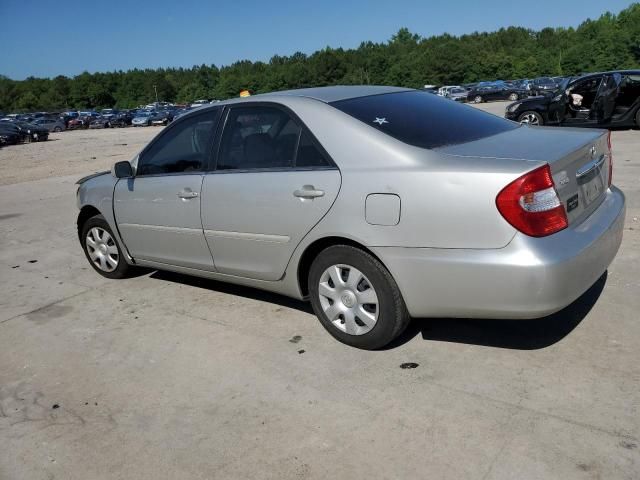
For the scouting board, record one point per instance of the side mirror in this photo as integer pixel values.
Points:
(122, 170)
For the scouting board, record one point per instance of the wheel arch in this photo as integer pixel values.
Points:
(313, 249)
(86, 212)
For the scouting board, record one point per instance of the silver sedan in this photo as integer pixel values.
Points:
(376, 204)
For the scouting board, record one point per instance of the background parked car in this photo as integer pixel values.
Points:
(542, 85)
(9, 134)
(495, 91)
(100, 122)
(199, 103)
(443, 91)
(142, 119)
(121, 119)
(78, 123)
(28, 132)
(83, 120)
(458, 94)
(108, 112)
(51, 124)
(36, 133)
(609, 99)
(180, 111)
(162, 117)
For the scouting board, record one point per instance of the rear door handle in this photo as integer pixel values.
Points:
(308, 191)
(187, 194)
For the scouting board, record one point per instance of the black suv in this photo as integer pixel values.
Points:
(607, 99)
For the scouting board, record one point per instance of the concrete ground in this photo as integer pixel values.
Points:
(169, 377)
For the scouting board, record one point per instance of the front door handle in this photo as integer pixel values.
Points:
(187, 194)
(308, 191)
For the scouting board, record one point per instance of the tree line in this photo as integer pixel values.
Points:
(407, 59)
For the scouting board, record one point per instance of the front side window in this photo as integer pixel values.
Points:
(183, 148)
(424, 120)
(264, 138)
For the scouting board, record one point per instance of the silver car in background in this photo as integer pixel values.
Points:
(458, 94)
(377, 204)
(51, 124)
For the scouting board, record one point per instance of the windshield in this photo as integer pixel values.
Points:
(565, 83)
(424, 120)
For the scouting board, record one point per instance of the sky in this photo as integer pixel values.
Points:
(66, 37)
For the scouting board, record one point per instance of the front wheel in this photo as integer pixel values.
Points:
(531, 118)
(477, 99)
(57, 129)
(513, 97)
(102, 250)
(355, 298)
(638, 118)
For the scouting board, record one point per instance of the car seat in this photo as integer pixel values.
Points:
(259, 152)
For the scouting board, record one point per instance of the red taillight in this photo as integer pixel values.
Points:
(531, 204)
(610, 158)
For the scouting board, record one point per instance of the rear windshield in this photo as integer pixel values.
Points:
(423, 119)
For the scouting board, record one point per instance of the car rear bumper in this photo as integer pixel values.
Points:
(529, 278)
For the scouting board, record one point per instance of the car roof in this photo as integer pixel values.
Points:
(621, 72)
(323, 94)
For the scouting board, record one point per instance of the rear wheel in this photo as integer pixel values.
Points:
(57, 129)
(638, 118)
(477, 99)
(513, 97)
(531, 118)
(355, 298)
(102, 250)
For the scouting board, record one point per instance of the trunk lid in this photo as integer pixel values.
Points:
(579, 161)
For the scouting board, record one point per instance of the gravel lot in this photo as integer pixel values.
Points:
(165, 376)
(75, 152)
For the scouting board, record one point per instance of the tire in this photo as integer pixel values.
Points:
(385, 320)
(638, 118)
(531, 118)
(88, 234)
(477, 99)
(513, 97)
(57, 129)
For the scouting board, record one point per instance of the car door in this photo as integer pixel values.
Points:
(272, 183)
(158, 210)
(605, 102)
(501, 93)
(491, 93)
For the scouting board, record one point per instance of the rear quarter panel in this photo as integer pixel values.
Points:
(445, 205)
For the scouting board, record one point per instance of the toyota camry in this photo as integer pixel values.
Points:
(376, 204)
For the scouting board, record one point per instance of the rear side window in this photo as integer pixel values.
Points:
(258, 137)
(424, 120)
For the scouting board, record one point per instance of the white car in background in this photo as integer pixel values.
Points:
(199, 103)
(444, 91)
